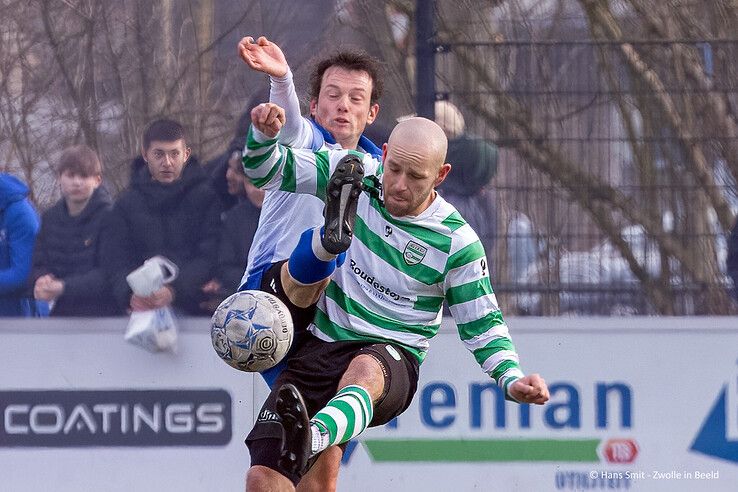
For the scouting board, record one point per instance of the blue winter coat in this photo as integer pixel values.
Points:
(19, 224)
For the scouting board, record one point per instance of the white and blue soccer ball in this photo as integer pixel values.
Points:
(252, 330)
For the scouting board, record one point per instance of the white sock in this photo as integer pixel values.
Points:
(320, 439)
(318, 249)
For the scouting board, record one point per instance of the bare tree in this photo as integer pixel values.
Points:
(662, 96)
(617, 122)
(96, 72)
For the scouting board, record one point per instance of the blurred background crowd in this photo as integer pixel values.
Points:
(594, 143)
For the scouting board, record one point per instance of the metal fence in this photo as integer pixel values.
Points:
(558, 244)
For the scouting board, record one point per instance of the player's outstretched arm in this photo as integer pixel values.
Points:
(267, 57)
(268, 118)
(263, 56)
(530, 389)
(271, 165)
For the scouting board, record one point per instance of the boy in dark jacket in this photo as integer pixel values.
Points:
(18, 228)
(169, 210)
(67, 271)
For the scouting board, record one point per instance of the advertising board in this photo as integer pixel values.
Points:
(636, 404)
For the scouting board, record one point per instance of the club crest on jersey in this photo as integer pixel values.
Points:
(414, 253)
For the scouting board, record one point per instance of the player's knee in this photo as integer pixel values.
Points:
(265, 452)
(260, 478)
(365, 371)
(316, 483)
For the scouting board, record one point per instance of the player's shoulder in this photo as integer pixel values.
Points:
(372, 165)
(453, 224)
(450, 218)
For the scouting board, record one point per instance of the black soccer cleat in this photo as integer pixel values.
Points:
(342, 195)
(296, 444)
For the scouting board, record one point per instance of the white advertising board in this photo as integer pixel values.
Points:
(83, 410)
(636, 404)
(644, 404)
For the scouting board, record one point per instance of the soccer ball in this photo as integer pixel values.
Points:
(251, 330)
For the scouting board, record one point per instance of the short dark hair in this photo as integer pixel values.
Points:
(163, 130)
(349, 60)
(81, 160)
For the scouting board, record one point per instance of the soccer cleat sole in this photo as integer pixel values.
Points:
(342, 195)
(296, 423)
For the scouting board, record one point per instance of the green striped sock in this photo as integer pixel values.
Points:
(343, 418)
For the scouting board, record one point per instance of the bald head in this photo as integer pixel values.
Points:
(422, 138)
(413, 161)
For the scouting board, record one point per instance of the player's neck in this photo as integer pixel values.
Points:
(425, 205)
(349, 143)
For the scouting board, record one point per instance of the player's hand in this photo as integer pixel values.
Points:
(530, 389)
(263, 55)
(268, 118)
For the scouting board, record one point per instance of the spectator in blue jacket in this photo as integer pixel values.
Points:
(67, 270)
(19, 225)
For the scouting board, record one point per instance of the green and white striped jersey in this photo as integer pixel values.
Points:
(398, 271)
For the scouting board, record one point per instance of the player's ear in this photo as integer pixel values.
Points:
(373, 112)
(442, 173)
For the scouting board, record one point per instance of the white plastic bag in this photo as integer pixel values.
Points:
(155, 272)
(155, 330)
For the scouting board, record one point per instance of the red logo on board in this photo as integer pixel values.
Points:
(620, 450)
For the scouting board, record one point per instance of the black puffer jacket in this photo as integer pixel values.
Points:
(178, 220)
(238, 229)
(69, 248)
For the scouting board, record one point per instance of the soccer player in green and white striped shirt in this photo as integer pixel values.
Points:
(410, 251)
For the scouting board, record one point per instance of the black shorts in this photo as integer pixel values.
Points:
(270, 281)
(316, 368)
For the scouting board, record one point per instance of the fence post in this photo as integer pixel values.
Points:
(425, 70)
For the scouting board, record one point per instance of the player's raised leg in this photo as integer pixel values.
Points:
(320, 250)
